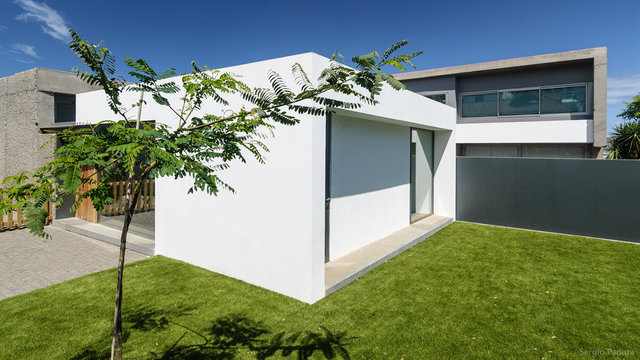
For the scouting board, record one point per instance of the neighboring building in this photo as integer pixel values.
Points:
(30, 102)
(551, 105)
(331, 185)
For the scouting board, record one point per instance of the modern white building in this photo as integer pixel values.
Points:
(331, 187)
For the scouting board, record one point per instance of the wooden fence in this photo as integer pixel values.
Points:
(146, 200)
(17, 220)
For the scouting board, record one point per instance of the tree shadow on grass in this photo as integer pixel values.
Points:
(226, 337)
(143, 318)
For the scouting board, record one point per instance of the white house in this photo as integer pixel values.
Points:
(331, 186)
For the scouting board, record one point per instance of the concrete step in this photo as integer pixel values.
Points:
(345, 269)
(107, 234)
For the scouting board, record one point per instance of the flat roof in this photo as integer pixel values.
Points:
(598, 55)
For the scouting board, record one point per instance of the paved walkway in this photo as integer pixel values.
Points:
(28, 263)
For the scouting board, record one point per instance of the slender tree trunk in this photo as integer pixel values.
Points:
(116, 342)
(130, 205)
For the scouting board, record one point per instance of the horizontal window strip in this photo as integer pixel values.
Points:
(537, 101)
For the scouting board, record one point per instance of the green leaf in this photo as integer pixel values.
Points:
(397, 85)
(36, 218)
(160, 99)
(72, 179)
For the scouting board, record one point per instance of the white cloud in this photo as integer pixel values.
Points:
(2, 27)
(25, 61)
(24, 49)
(621, 89)
(52, 22)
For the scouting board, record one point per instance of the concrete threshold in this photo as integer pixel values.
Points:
(343, 270)
(107, 234)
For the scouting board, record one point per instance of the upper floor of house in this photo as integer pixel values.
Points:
(546, 95)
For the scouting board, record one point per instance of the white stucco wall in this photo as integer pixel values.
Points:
(369, 182)
(267, 231)
(557, 131)
(444, 158)
(271, 231)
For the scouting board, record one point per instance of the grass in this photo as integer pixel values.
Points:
(470, 291)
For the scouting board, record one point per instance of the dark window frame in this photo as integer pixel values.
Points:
(586, 98)
(63, 99)
(519, 146)
(429, 96)
(476, 94)
(539, 113)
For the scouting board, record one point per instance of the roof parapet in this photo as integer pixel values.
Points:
(599, 56)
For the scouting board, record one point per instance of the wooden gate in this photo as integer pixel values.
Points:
(146, 200)
(85, 209)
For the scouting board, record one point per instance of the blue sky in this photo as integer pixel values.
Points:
(222, 33)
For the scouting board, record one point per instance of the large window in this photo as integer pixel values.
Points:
(65, 108)
(492, 150)
(519, 102)
(561, 151)
(563, 100)
(556, 100)
(478, 105)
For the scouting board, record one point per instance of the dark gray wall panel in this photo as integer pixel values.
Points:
(438, 83)
(575, 196)
(444, 84)
(543, 76)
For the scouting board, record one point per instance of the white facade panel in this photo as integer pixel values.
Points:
(265, 232)
(444, 159)
(557, 131)
(369, 182)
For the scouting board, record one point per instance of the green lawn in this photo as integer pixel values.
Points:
(470, 291)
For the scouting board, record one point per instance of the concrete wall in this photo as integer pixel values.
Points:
(600, 102)
(573, 196)
(26, 103)
(21, 136)
(271, 232)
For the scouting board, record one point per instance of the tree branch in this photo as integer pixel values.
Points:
(228, 118)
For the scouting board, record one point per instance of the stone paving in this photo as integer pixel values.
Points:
(28, 262)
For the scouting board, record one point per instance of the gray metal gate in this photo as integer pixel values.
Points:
(591, 197)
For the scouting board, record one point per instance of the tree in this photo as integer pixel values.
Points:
(198, 147)
(625, 139)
